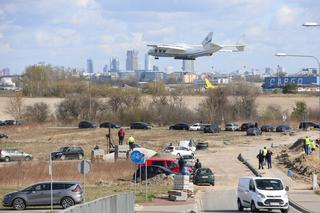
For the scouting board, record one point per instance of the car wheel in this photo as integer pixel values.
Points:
(240, 207)
(80, 156)
(253, 207)
(66, 202)
(27, 158)
(19, 204)
(7, 159)
(63, 157)
(212, 183)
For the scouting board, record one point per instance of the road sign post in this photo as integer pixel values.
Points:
(50, 173)
(84, 167)
(138, 158)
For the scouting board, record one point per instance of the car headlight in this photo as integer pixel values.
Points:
(285, 196)
(261, 195)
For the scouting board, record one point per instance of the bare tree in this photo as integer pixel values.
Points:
(15, 106)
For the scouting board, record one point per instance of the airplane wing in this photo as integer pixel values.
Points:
(167, 47)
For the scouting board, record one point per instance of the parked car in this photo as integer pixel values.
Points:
(2, 135)
(307, 124)
(195, 127)
(231, 127)
(87, 124)
(140, 125)
(189, 144)
(65, 194)
(262, 193)
(179, 126)
(13, 155)
(189, 160)
(2, 123)
(12, 122)
(282, 128)
(246, 126)
(178, 150)
(213, 128)
(204, 126)
(254, 131)
(68, 152)
(106, 125)
(203, 176)
(152, 171)
(267, 128)
(170, 164)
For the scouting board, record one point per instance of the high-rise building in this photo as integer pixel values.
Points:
(114, 65)
(89, 66)
(132, 60)
(4, 71)
(148, 62)
(188, 65)
(105, 68)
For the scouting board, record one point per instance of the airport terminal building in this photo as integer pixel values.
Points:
(305, 83)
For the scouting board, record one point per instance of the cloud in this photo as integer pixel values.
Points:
(288, 15)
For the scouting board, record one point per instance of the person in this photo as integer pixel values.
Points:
(121, 135)
(264, 154)
(312, 145)
(131, 142)
(307, 145)
(260, 159)
(256, 125)
(197, 165)
(268, 157)
(181, 165)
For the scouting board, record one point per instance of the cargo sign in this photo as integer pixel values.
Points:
(278, 82)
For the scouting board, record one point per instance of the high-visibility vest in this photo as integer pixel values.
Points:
(130, 139)
(312, 144)
(307, 142)
(264, 152)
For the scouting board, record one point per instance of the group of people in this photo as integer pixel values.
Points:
(183, 168)
(121, 135)
(309, 145)
(264, 157)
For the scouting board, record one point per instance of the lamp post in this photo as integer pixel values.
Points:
(302, 56)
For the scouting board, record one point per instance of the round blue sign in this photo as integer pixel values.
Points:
(137, 157)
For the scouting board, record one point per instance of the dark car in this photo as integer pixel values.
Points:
(254, 131)
(65, 193)
(203, 176)
(267, 128)
(140, 125)
(12, 122)
(152, 171)
(68, 152)
(282, 128)
(306, 124)
(246, 126)
(87, 124)
(212, 128)
(2, 123)
(179, 126)
(106, 125)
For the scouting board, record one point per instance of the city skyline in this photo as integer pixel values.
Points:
(67, 33)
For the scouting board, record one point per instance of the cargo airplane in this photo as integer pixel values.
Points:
(191, 52)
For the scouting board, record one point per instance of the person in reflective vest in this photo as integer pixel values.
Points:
(131, 142)
(312, 145)
(307, 145)
(264, 154)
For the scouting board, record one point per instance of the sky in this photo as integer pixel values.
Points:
(66, 33)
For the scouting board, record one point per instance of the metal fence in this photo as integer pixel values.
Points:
(121, 203)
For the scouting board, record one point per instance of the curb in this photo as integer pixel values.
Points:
(258, 174)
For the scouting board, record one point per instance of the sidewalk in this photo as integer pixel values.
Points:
(299, 194)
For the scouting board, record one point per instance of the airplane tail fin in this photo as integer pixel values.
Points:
(208, 84)
(241, 44)
(207, 39)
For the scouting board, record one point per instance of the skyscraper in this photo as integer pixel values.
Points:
(114, 65)
(148, 62)
(132, 60)
(188, 65)
(89, 66)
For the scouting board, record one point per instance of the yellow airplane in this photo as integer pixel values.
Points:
(208, 85)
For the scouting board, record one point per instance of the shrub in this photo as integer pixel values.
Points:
(38, 112)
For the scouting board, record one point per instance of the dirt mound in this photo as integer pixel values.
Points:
(161, 180)
(297, 146)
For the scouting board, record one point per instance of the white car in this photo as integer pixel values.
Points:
(195, 127)
(262, 193)
(178, 150)
(189, 144)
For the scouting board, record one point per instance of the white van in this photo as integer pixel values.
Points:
(262, 193)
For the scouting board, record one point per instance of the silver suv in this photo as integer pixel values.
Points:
(65, 194)
(14, 154)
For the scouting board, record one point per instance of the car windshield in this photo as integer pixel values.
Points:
(269, 184)
(204, 172)
(187, 157)
(62, 149)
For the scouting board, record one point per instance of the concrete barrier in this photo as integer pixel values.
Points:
(121, 203)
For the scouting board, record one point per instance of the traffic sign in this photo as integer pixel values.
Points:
(137, 157)
(84, 167)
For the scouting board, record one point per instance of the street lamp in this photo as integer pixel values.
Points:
(303, 56)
